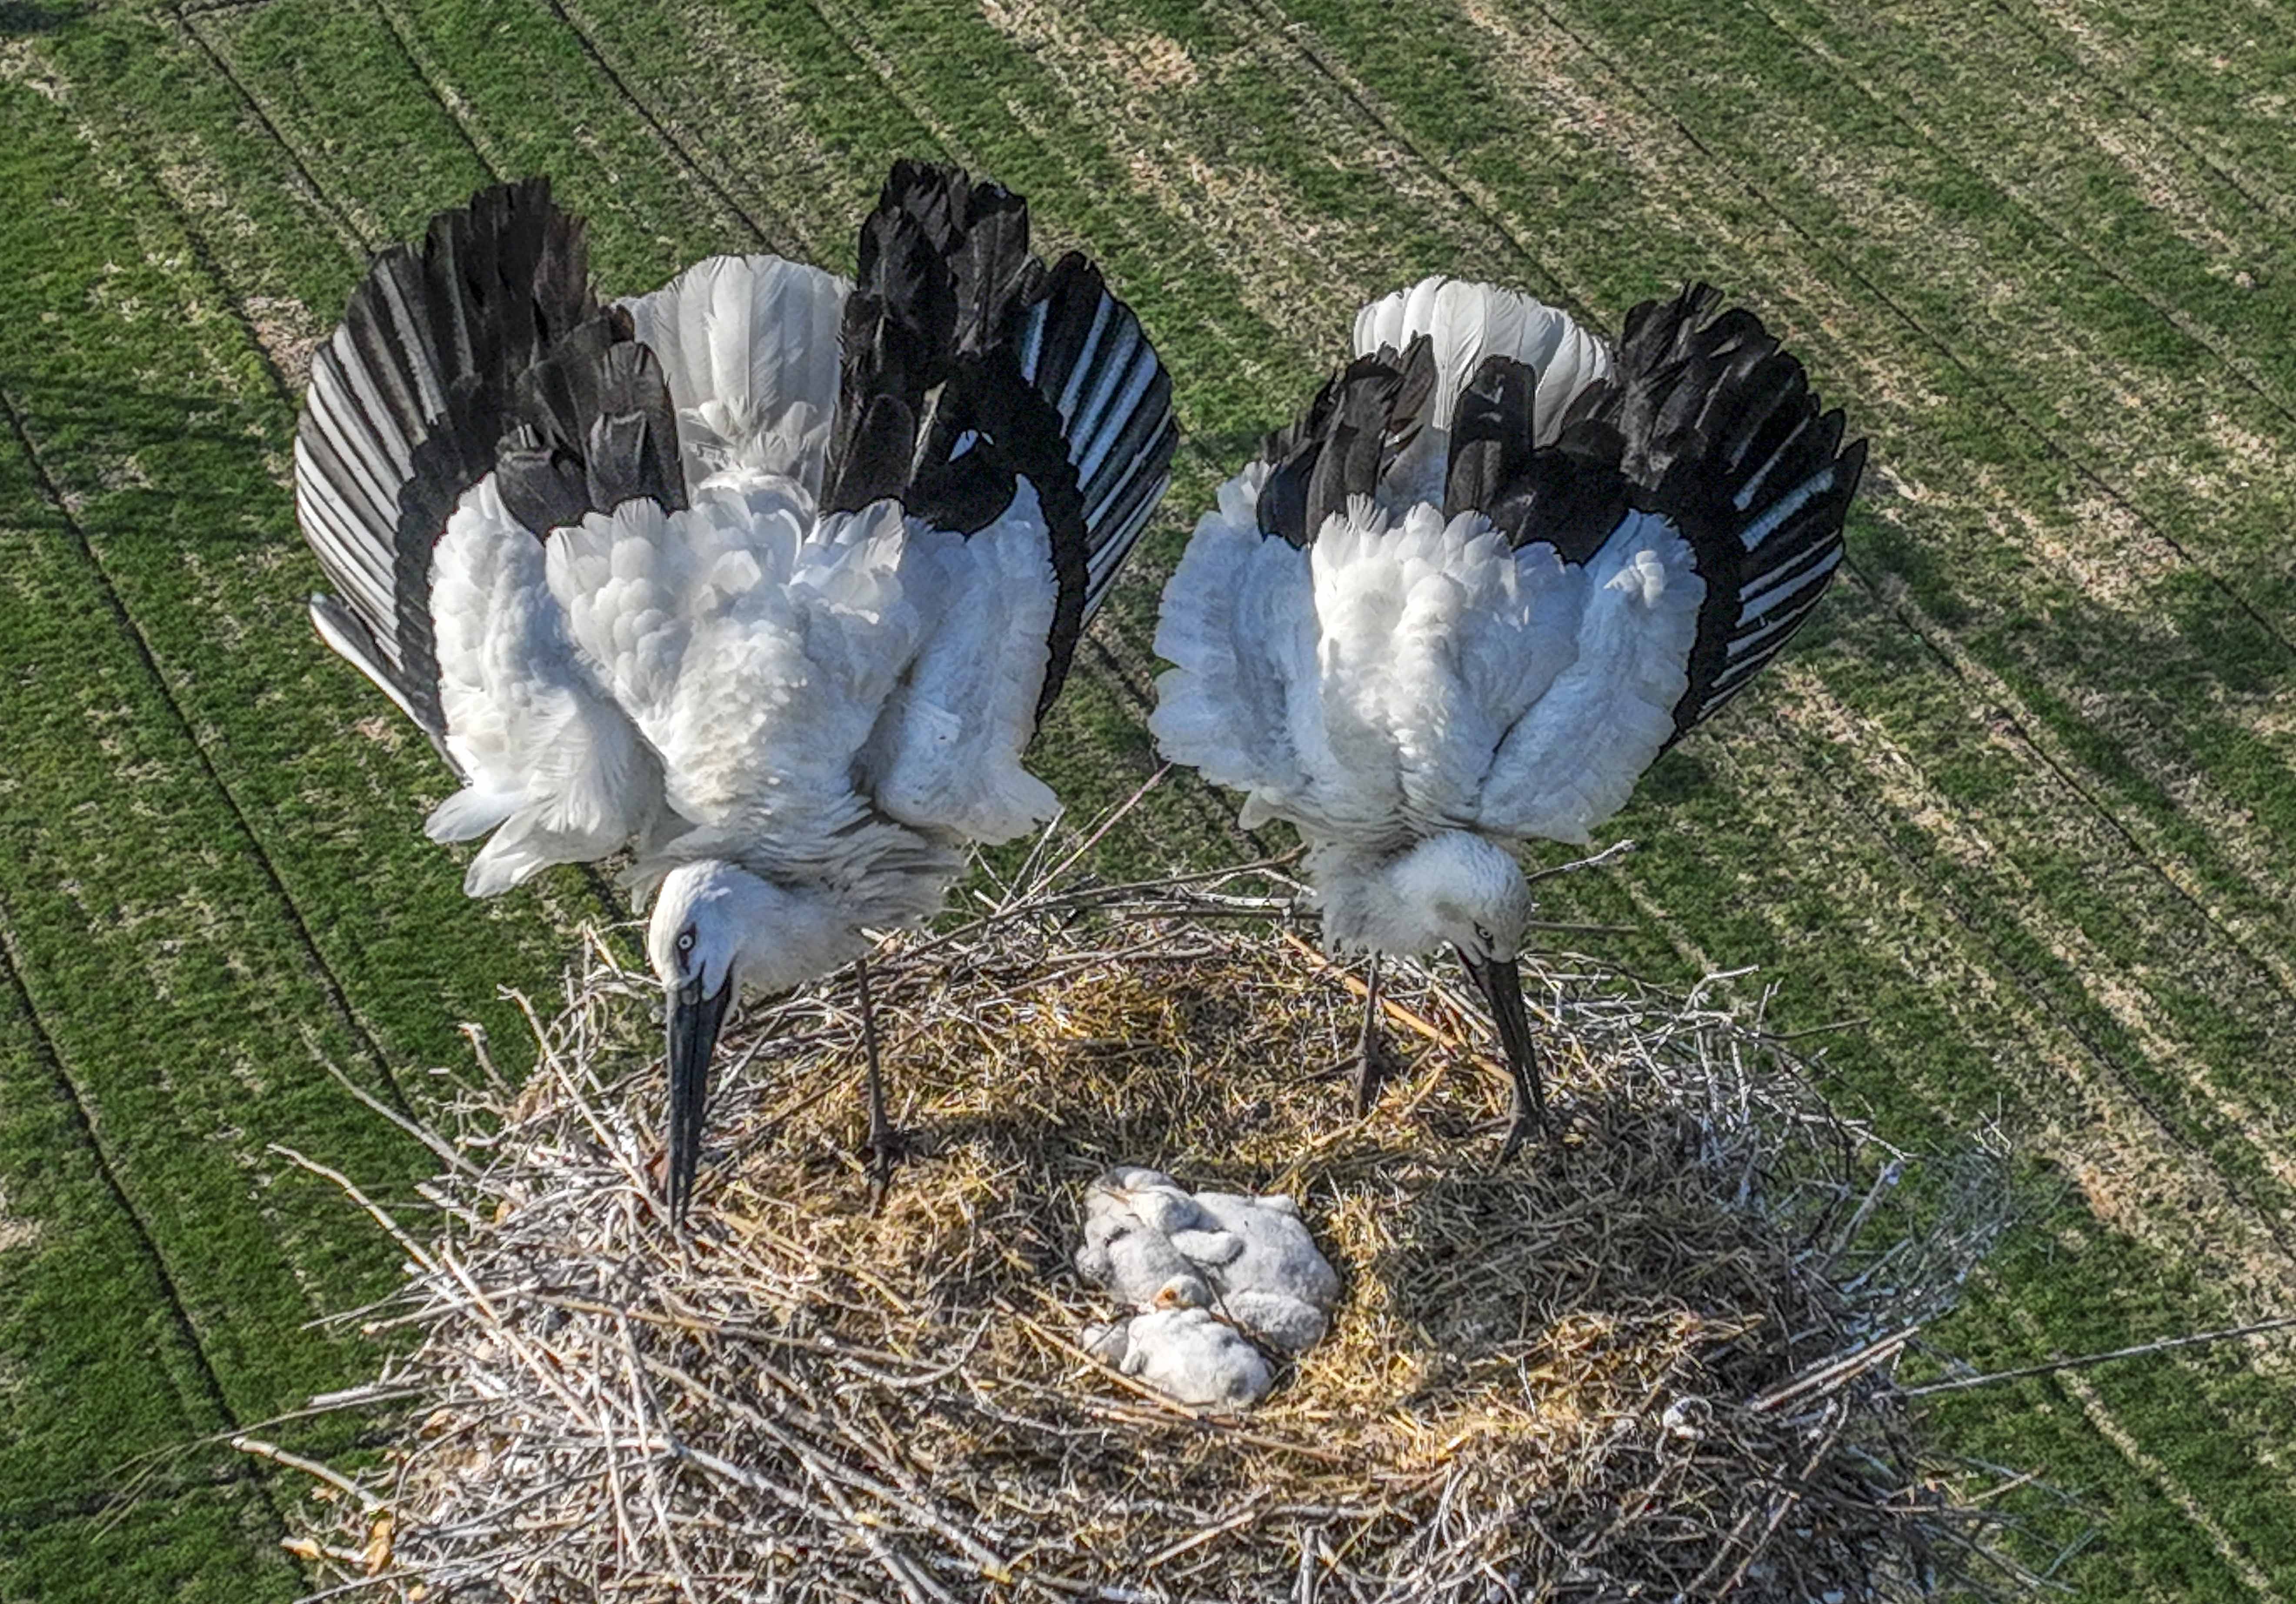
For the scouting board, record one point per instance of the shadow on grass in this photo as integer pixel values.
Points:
(18, 19)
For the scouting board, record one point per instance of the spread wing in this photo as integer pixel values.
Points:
(406, 405)
(970, 368)
(1614, 553)
(473, 399)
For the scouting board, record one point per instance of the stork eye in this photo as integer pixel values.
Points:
(686, 942)
(1483, 936)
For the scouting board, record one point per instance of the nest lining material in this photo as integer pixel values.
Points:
(1651, 1358)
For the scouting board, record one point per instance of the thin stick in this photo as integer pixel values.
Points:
(277, 1455)
(2230, 1333)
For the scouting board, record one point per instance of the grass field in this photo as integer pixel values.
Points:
(2020, 806)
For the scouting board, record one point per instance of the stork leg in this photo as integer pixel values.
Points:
(1372, 1059)
(883, 1148)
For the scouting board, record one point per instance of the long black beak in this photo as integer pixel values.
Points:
(1502, 988)
(693, 1024)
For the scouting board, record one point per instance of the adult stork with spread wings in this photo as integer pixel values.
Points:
(1472, 595)
(767, 576)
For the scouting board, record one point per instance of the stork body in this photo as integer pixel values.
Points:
(1474, 592)
(766, 576)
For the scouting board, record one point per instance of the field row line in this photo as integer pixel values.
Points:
(1983, 935)
(347, 230)
(84, 1128)
(777, 239)
(1964, 670)
(2001, 402)
(2274, 206)
(2173, 316)
(329, 980)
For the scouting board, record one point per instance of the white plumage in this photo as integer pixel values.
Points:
(763, 576)
(1482, 584)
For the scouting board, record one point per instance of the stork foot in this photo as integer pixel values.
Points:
(885, 1151)
(1529, 1119)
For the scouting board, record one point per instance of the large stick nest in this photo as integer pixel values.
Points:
(1651, 1359)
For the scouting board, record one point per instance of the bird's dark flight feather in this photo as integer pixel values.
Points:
(1723, 435)
(1359, 424)
(408, 401)
(967, 365)
(1703, 420)
(594, 427)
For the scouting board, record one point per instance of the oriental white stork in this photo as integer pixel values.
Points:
(1474, 593)
(767, 576)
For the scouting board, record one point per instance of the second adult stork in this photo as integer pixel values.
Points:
(767, 575)
(1474, 592)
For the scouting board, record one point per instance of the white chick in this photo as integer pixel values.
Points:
(1274, 1283)
(1186, 1354)
(1135, 1259)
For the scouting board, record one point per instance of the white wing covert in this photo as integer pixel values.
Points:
(550, 764)
(754, 646)
(1571, 758)
(1238, 625)
(948, 751)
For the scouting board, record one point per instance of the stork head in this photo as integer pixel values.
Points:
(713, 931)
(1469, 892)
(1460, 890)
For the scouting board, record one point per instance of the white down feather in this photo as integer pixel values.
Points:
(1399, 677)
(753, 647)
(552, 765)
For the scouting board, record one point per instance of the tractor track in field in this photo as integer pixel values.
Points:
(2151, 114)
(2045, 1001)
(458, 114)
(329, 983)
(211, 1394)
(1927, 132)
(778, 239)
(357, 239)
(1885, 806)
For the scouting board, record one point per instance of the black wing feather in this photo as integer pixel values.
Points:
(1725, 437)
(1705, 421)
(425, 388)
(1364, 418)
(594, 427)
(968, 365)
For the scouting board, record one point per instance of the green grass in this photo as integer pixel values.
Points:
(2020, 801)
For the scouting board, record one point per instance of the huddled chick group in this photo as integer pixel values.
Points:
(1210, 1274)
